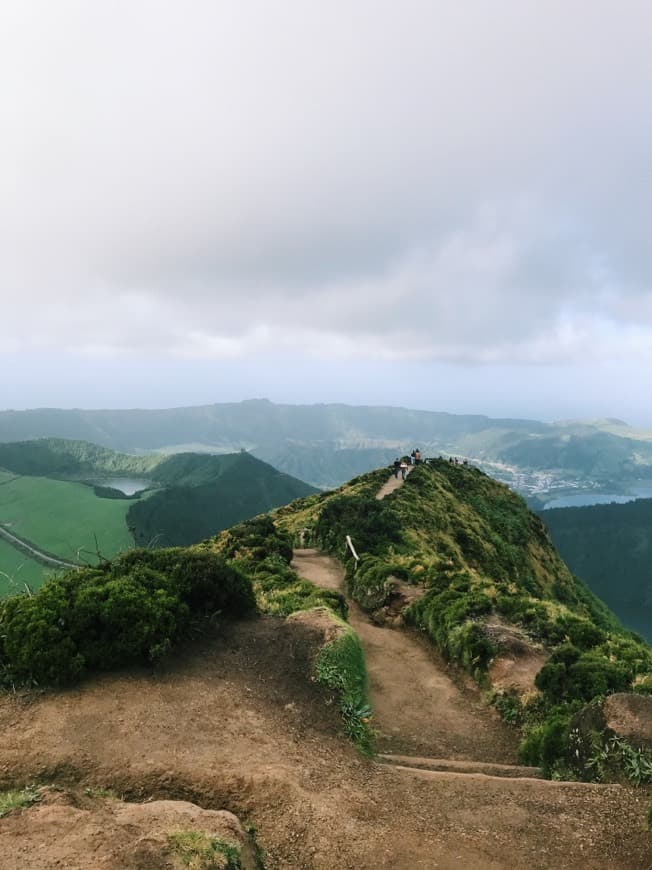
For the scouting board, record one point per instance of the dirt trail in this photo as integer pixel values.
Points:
(418, 707)
(234, 723)
(391, 484)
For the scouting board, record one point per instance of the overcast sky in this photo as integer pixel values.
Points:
(445, 205)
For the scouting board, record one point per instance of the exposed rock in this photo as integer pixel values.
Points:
(518, 660)
(630, 716)
(83, 831)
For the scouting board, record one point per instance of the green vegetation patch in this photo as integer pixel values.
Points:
(64, 519)
(262, 553)
(17, 569)
(18, 799)
(340, 665)
(128, 611)
(200, 851)
(478, 554)
(571, 742)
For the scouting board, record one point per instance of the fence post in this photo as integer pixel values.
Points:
(352, 548)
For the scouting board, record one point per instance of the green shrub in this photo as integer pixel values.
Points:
(615, 753)
(571, 674)
(368, 583)
(124, 612)
(372, 524)
(203, 580)
(546, 744)
(449, 617)
(260, 553)
(340, 665)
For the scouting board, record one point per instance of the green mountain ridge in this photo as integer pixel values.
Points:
(327, 444)
(487, 586)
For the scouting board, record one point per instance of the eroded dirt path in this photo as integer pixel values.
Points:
(235, 723)
(419, 708)
(391, 484)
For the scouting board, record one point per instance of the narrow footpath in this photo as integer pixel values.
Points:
(419, 708)
(422, 708)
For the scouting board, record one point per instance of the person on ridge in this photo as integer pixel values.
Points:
(404, 468)
(397, 465)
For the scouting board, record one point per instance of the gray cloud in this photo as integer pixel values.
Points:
(453, 181)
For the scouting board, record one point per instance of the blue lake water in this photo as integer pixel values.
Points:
(584, 499)
(127, 485)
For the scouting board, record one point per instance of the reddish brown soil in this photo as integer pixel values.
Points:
(420, 706)
(236, 724)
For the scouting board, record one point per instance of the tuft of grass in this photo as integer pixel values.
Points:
(18, 799)
(340, 665)
(200, 851)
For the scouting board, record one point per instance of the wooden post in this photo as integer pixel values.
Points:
(352, 548)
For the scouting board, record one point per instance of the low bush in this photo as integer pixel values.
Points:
(448, 617)
(546, 744)
(129, 611)
(571, 674)
(372, 524)
(340, 665)
(259, 552)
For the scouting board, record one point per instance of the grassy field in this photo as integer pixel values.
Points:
(20, 569)
(62, 517)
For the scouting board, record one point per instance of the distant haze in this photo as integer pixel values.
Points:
(440, 205)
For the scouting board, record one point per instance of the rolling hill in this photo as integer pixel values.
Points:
(57, 502)
(327, 444)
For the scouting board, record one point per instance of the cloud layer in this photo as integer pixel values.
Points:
(463, 182)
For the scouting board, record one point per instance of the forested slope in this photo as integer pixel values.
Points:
(610, 547)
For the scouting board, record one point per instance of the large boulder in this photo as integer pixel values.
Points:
(630, 716)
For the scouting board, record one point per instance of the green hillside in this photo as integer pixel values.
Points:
(206, 494)
(52, 498)
(485, 586)
(16, 569)
(487, 580)
(56, 457)
(64, 518)
(610, 547)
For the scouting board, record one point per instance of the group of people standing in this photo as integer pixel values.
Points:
(402, 466)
